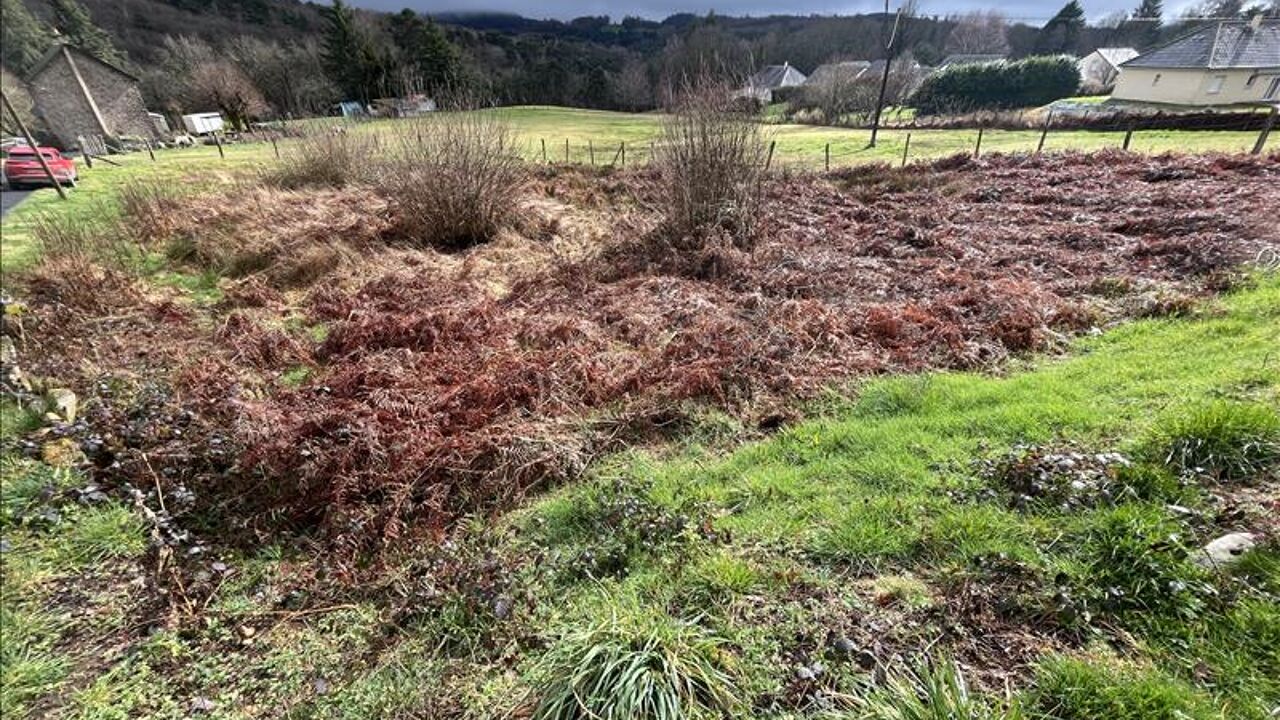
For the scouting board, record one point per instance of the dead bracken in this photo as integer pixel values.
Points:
(430, 385)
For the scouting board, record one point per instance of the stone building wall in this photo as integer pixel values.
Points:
(68, 114)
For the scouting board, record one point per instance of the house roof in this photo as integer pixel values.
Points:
(832, 72)
(1224, 44)
(776, 76)
(55, 51)
(1116, 55)
(968, 60)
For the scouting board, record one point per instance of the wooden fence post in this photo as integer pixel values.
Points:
(566, 151)
(1045, 132)
(150, 152)
(977, 148)
(218, 142)
(31, 143)
(826, 157)
(1128, 136)
(622, 148)
(1266, 130)
(769, 158)
(275, 147)
(84, 152)
(906, 148)
(544, 151)
(591, 151)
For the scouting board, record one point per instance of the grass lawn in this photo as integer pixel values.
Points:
(799, 147)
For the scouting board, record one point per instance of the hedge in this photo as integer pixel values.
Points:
(1030, 82)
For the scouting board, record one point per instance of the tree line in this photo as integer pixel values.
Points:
(257, 59)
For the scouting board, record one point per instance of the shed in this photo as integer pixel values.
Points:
(202, 123)
(78, 95)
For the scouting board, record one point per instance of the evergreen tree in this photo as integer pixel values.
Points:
(22, 38)
(1146, 31)
(349, 56)
(1062, 33)
(433, 58)
(1150, 10)
(72, 20)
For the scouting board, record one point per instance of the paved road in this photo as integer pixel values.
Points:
(10, 198)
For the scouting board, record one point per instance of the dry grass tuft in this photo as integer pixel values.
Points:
(710, 162)
(454, 180)
(324, 159)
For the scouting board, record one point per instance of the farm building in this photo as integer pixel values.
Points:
(1100, 68)
(79, 95)
(1222, 63)
(772, 77)
(954, 60)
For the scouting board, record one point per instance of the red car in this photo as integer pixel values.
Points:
(22, 167)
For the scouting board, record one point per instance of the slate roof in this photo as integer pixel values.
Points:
(1225, 44)
(55, 51)
(776, 76)
(968, 60)
(832, 72)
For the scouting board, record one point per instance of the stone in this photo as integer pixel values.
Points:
(63, 402)
(1225, 550)
(844, 645)
(202, 705)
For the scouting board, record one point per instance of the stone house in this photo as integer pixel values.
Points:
(78, 95)
(772, 77)
(1223, 63)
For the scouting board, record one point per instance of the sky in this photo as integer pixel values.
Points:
(1029, 11)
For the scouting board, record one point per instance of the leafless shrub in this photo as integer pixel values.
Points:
(323, 159)
(453, 180)
(81, 264)
(710, 163)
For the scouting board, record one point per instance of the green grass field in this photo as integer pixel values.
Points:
(799, 147)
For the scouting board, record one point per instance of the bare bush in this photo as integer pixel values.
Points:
(323, 159)
(711, 165)
(453, 180)
(147, 209)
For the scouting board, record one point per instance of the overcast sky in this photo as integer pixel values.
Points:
(1029, 11)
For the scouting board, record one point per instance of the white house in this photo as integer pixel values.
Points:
(1221, 63)
(1100, 68)
(761, 85)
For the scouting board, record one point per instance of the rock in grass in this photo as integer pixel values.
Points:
(1225, 550)
(63, 452)
(202, 705)
(63, 403)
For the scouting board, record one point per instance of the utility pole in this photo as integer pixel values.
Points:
(890, 49)
(31, 142)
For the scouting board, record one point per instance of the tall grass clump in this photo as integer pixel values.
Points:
(332, 158)
(1071, 689)
(454, 180)
(1225, 441)
(641, 665)
(934, 690)
(710, 160)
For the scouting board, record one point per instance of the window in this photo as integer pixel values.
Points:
(1156, 80)
(1273, 90)
(1215, 84)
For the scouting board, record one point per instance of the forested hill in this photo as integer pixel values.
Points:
(270, 58)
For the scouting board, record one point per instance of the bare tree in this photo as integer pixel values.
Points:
(978, 33)
(221, 84)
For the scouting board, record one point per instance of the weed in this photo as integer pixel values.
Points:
(933, 690)
(1073, 689)
(636, 665)
(324, 159)
(1224, 441)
